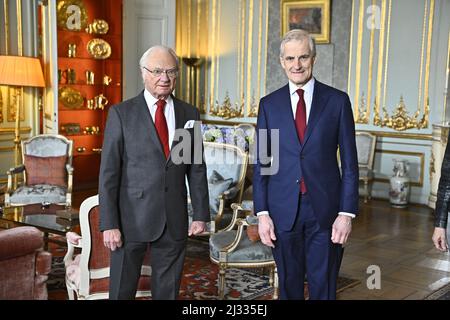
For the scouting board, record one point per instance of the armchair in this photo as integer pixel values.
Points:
(24, 265)
(365, 146)
(87, 273)
(231, 248)
(47, 172)
(226, 168)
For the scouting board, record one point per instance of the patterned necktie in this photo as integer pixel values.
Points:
(161, 126)
(300, 125)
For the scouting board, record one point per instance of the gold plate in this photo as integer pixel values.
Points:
(71, 98)
(72, 15)
(99, 26)
(99, 48)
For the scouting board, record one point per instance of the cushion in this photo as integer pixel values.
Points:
(216, 186)
(46, 170)
(246, 251)
(39, 193)
(252, 233)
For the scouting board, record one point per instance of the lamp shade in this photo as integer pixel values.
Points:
(21, 71)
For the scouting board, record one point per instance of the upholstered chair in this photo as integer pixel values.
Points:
(46, 170)
(24, 265)
(365, 145)
(87, 273)
(226, 167)
(239, 246)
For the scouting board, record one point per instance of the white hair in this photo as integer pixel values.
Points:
(158, 47)
(298, 35)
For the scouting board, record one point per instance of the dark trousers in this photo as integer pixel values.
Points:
(307, 249)
(166, 259)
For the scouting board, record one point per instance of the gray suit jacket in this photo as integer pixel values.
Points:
(140, 190)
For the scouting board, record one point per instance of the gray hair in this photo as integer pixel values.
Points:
(158, 47)
(298, 35)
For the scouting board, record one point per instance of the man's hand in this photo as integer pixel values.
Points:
(342, 227)
(440, 239)
(266, 230)
(197, 227)
(112, 239)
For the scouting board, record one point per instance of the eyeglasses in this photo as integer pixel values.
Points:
(171, 73)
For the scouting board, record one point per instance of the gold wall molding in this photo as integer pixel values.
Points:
(363, 112)
(205, 86)
(419, 155)
(227, 109)
(409, 136)
(1, 106)
(447, 75)
(401, 121)
(11, 130)
(362, 47)
(432, 166)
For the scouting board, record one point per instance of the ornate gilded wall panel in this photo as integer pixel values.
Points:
(390, 58)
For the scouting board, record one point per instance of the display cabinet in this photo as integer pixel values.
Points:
(89, 79)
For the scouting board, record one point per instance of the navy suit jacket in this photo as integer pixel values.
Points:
(330, 125)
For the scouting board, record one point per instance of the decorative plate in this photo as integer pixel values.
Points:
(99, 26)
(71, 15)
(99, 48)
(71, 98)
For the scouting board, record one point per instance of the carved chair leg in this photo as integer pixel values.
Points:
(70, 293)
(275, 283)
(370, 190)
(221, 284)
(366, 190)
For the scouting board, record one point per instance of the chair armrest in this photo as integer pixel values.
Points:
(238, 212)
(241, 223)
(71, 245)
(16, 170)
(69, 169)
(20, 241)
(10, 173)
(43, 262)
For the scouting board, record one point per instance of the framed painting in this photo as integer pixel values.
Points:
(310, 15)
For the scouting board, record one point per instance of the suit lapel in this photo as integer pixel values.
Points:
(287, 118)
(179, 120)
(319, 102)
(145, 117)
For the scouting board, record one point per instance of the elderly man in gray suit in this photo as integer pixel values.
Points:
(142, 189)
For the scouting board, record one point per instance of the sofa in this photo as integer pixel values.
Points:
(24, 265)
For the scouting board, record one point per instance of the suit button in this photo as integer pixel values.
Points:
(302, 157)
(297, 181)
(166, 189)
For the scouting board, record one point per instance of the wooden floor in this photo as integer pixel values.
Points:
(399, 242)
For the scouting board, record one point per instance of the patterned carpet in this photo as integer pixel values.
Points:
(440, 294)
(199, 280)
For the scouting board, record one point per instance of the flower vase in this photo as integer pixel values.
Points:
(400, 189)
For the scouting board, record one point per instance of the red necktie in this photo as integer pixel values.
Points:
(300, 125)
(161, 126)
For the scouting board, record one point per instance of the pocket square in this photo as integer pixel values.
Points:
(189, 124)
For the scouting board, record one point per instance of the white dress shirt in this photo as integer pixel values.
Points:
(169, 112)
(308, 89)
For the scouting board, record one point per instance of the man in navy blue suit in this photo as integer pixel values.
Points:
(305, 205)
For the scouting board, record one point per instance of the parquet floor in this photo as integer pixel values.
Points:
(398, 241)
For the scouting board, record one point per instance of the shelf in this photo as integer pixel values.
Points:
(80, 135)
(78, 110)
(83, 84)
(90, 59)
